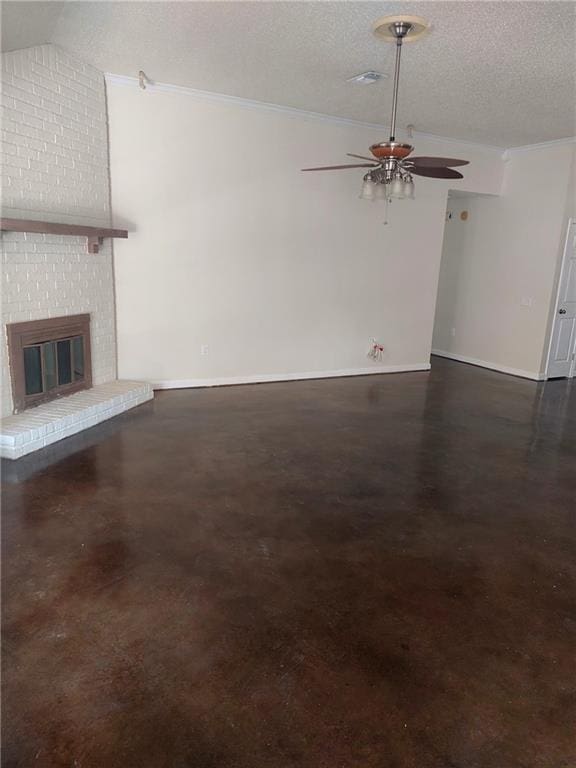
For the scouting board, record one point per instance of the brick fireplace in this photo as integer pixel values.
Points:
(55, 169)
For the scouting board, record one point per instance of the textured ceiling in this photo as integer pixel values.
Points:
(500, 73)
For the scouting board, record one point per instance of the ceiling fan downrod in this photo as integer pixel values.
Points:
(399, 29)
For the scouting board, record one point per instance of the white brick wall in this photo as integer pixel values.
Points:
(54, 154)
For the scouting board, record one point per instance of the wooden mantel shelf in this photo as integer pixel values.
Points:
(93, 235)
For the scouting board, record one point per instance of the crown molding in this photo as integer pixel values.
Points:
(183, 90)
(540, 145)
(133, 82)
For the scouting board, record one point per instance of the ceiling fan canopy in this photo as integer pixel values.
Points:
(391, 167)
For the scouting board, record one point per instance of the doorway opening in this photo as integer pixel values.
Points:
(458, 328)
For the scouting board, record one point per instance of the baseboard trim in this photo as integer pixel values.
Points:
(264, 378)
(492, 366)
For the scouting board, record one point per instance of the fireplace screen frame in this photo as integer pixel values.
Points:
(36, 332)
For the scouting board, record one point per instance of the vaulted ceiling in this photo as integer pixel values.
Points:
(500, 73)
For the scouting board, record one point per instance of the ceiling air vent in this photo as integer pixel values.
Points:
(367, 78)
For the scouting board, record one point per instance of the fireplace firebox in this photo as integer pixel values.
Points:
(49, 359)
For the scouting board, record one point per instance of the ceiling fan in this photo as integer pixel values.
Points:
(391, 168)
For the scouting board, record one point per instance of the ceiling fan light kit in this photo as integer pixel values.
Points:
(391, 168)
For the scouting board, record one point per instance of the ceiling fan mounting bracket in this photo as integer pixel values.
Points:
(405, 28)
(400, 29)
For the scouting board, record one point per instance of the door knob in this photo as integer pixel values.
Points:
(561, 311)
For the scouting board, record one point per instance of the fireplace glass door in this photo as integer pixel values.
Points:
(49, 359)
(53, 364)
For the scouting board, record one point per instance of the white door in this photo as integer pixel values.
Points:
(563, 341)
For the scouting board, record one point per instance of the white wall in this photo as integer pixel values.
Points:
(54, 156)
(277, 272)
(504, 256)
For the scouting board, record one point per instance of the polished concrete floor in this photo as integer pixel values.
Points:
(373, 572)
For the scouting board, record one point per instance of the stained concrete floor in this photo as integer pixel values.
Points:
(364, 572)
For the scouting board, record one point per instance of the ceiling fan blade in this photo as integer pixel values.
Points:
(361, 157)
(436, 173)
(438, 162)
(340, 167)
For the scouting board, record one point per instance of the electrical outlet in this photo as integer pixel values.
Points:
(526, 301)
(453, 332)
(204, 349)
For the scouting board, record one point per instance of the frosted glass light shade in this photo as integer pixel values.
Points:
(380, 193)
(368, 192)
(409, 190)
(397, 189)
